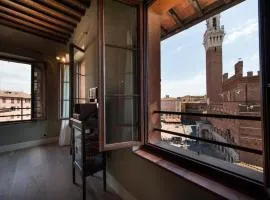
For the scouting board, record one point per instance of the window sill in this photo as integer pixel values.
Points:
(195, 178)
(20, 122)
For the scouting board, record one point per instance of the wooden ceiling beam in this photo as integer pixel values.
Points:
(197, 7)
(164, 31)
(40, 8)
(31, 12)
(33, 26)
(33, 20)
(175, 17)
(61, 7)
(76, 4)
(31, 31)
(131, 2)
(213, 9)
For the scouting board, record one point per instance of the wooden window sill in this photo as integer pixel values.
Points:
(207, 184)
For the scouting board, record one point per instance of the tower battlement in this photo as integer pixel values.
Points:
(214, 35)
(238, 74)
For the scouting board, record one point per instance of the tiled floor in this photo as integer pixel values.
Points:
(44, 173)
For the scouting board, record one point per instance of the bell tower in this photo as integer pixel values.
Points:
(213, 39)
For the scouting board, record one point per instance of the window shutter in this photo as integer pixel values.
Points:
(38, 91)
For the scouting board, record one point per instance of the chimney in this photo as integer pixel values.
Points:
(250, 73)
(239, 68)
(225, 76)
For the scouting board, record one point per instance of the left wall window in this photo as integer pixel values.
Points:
(15, 91)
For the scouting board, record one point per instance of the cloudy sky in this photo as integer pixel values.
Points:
(183, 55)
(15, 76)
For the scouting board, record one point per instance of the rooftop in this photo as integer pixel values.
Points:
(14, 94)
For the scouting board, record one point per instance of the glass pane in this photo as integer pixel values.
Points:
(121, 107)
(121, 92)
(212, 68)
(65, 91)
(213, 153)
(120, 69)
(65, 109)
(121, 119)
(15, 91)
(120, 24)
(66, 73)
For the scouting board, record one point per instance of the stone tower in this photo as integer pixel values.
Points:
(213, 38)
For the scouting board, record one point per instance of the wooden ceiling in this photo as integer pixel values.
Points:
(50, 19)
(177, 15)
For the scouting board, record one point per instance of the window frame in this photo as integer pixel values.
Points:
(5, 99)
(74, 78)
(60, 93)
(233, 180)
(103, 146)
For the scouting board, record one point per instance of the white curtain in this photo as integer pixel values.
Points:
(65, 133)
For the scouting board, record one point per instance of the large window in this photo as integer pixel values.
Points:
(21, 91)
(210, 94)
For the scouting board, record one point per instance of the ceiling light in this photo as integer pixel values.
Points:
(63, 59)
(57, 58)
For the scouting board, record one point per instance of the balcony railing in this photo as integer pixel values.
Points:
(249, 108)
(221, 116)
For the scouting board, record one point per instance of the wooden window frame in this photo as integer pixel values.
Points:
(73, 78)
(254, 189)
(101, 74)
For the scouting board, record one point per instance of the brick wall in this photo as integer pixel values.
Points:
(214, 73)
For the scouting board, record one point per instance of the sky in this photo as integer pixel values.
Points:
(183, 62)
(15, 76)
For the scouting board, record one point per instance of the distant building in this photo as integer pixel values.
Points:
(236, 95)
(181, 104)
(14, 106)
(170, 104)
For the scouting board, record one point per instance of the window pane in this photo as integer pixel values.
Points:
(120, 71)
(66, 73)
(223, 157)
(15, 91)
(64, 92)
(121, 87)
(65, 111)
(121, 108)
(120, 24)
(213, 68)
(121, 119)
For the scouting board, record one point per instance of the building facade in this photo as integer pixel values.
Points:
(236, 95)
(14, 106)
